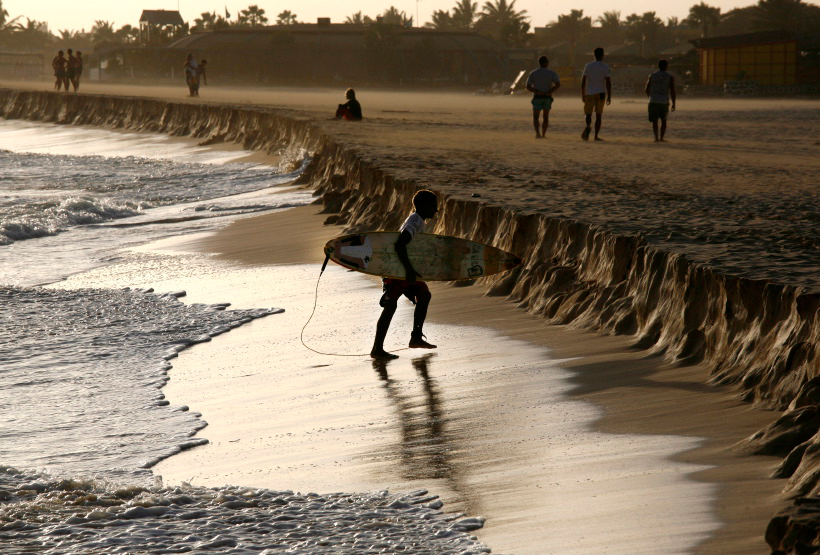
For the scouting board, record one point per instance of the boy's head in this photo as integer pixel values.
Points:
(662, 65)
(350, 94)
(426, 203)
(543, 61)
(598, 53)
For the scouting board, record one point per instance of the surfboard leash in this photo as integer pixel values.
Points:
(315, 302)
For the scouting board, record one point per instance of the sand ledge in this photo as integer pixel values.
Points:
(761, 336)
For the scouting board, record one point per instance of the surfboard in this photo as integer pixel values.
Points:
(435, 257)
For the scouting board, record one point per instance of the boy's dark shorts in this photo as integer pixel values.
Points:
(395, 288)
(658, 111)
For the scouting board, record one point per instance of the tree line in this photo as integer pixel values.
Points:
(498, 19)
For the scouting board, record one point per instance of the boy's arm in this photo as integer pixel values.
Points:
(401, 251)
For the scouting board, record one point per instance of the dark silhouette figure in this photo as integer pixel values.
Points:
(59, 65)
(596, 88)
(542, 82)
(426, 205)
(350, 110)
(660, 87)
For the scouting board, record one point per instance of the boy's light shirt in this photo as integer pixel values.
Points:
(413, 224)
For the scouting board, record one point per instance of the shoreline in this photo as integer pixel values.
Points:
(639, 393)
(581, 274)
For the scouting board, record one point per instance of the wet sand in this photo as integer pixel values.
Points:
(488, 152)
(564, 440)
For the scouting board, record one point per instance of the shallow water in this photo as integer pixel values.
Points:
(83, 417)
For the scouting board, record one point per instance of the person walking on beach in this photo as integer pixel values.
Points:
(660, 87)
(59, 65)
(200, 75)
(71, 68)
(596, 88)
(542, 82)
(350, 110)
(190, 74)
(78, 71)
(426, 205)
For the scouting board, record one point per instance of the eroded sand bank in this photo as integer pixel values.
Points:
(498, 422)
(712, 197)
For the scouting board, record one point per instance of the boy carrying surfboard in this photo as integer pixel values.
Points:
(426, 206)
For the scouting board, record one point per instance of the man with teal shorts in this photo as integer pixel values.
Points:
(542, 82)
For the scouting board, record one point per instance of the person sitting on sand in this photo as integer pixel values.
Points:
(350, 110)
(542, 82)
(426, 206)
(660, 87)
(59, 65)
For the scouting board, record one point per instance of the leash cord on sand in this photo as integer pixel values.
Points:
(315, 301)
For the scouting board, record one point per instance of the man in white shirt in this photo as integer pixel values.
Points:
(596, 87)
(542, 82)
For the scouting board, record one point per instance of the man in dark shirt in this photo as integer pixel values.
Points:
(350, 110)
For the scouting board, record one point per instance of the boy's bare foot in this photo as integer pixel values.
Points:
(419, 343)
(585, 134)
(599, 139)
(381, 354)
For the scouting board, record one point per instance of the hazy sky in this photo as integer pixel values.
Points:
(81, 14)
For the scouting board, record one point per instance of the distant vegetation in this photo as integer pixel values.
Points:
(499, 19)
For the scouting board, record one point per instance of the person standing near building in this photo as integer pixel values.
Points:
(59, 65)
(596, 88)
(660, 87)
(78, 71)
(190, 69)
(542, 82)
(71, 69)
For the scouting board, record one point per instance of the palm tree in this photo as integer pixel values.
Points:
(358, 19)
(102, 31)
(34, 34)
(442, 20)
(704, 17)
(611, 27)
(501, 21)
(204, 22)
(645, 30)
(286, 18)
(779, 14)
(128, 34)
(6, 24)
(392, 16)
(253, 16)
(573, 27)
(464, 14)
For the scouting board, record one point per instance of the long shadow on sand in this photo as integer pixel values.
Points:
(427, 449)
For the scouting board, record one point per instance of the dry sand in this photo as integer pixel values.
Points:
(483, 145)
(735, 186)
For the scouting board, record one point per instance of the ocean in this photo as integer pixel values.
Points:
(83, 417)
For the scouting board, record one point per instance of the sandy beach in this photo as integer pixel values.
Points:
(480, 421)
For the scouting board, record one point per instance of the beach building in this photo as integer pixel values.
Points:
(156, 23)
(326, 54)
(767, 58)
